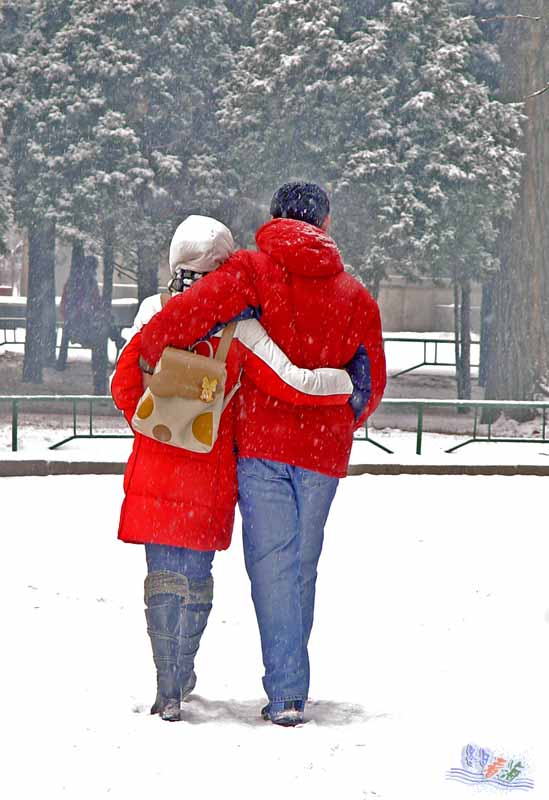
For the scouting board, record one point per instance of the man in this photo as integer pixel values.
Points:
(290, 459)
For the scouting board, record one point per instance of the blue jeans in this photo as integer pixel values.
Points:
(284, 510)
(195, 564)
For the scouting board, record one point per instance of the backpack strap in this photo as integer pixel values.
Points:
(226, 339)
(164, 297)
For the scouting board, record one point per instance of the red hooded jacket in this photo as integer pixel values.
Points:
(317, 313)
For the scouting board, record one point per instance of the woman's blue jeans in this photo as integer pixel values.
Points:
(284, 511)
(195, 564)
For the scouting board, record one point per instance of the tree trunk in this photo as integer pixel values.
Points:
(147, 272)
(40, 309)
(486, 331)
(457, 336)
(50, 311)
(462, 336)
(100, 353)
(521, 297)
(465, 344)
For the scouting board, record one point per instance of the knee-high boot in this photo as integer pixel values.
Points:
(177, 611)
(193, 623)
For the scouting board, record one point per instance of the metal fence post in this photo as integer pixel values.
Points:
(14, 422)
(419, 428)
(475, 423)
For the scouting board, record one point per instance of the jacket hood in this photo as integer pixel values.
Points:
(200, 244)
(300, 247)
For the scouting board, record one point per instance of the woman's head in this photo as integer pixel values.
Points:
(199, 245)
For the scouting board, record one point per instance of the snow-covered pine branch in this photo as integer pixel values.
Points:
(511, 17)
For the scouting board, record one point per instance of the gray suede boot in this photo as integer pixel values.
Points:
(177, 613)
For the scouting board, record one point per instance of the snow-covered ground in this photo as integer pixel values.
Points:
(431, 634)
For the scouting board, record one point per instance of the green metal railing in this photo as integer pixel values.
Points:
(476, 406)
(12, 325)
(421, 406)
(90, 402)
(434, 352)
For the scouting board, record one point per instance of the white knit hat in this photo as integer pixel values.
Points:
(200, 244)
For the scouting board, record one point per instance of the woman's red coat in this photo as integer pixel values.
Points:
(173, 496)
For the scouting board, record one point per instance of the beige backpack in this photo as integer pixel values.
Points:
(185, 397)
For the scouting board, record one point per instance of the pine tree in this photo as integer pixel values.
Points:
(519, 365)
(6, 215)
(113, 125)
(245, 12)
(13, 23)
(276, 89)
(32, 143)
(380, 101)
(463, 161)
(156, 65)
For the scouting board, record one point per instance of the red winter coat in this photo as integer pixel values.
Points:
(316, 312)
(176, 497)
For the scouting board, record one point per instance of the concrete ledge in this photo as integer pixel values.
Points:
(25, 468)
(448, 469)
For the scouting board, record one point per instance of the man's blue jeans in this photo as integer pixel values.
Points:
(284, 510)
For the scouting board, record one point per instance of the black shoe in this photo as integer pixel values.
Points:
(166, 708)
(289, 716)
(171, 711)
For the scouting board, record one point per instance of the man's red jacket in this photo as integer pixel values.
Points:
(184, 499)
(316, 312)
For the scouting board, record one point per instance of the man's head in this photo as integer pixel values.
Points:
(306, 202)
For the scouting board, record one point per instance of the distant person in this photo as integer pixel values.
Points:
(290, 458)
(82, 311)
(181, 504)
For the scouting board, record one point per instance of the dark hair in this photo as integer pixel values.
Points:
(302, 201)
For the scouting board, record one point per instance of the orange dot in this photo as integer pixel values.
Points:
(146, 408)
(203, 428)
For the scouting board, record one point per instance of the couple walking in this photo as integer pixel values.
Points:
(308, 352)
